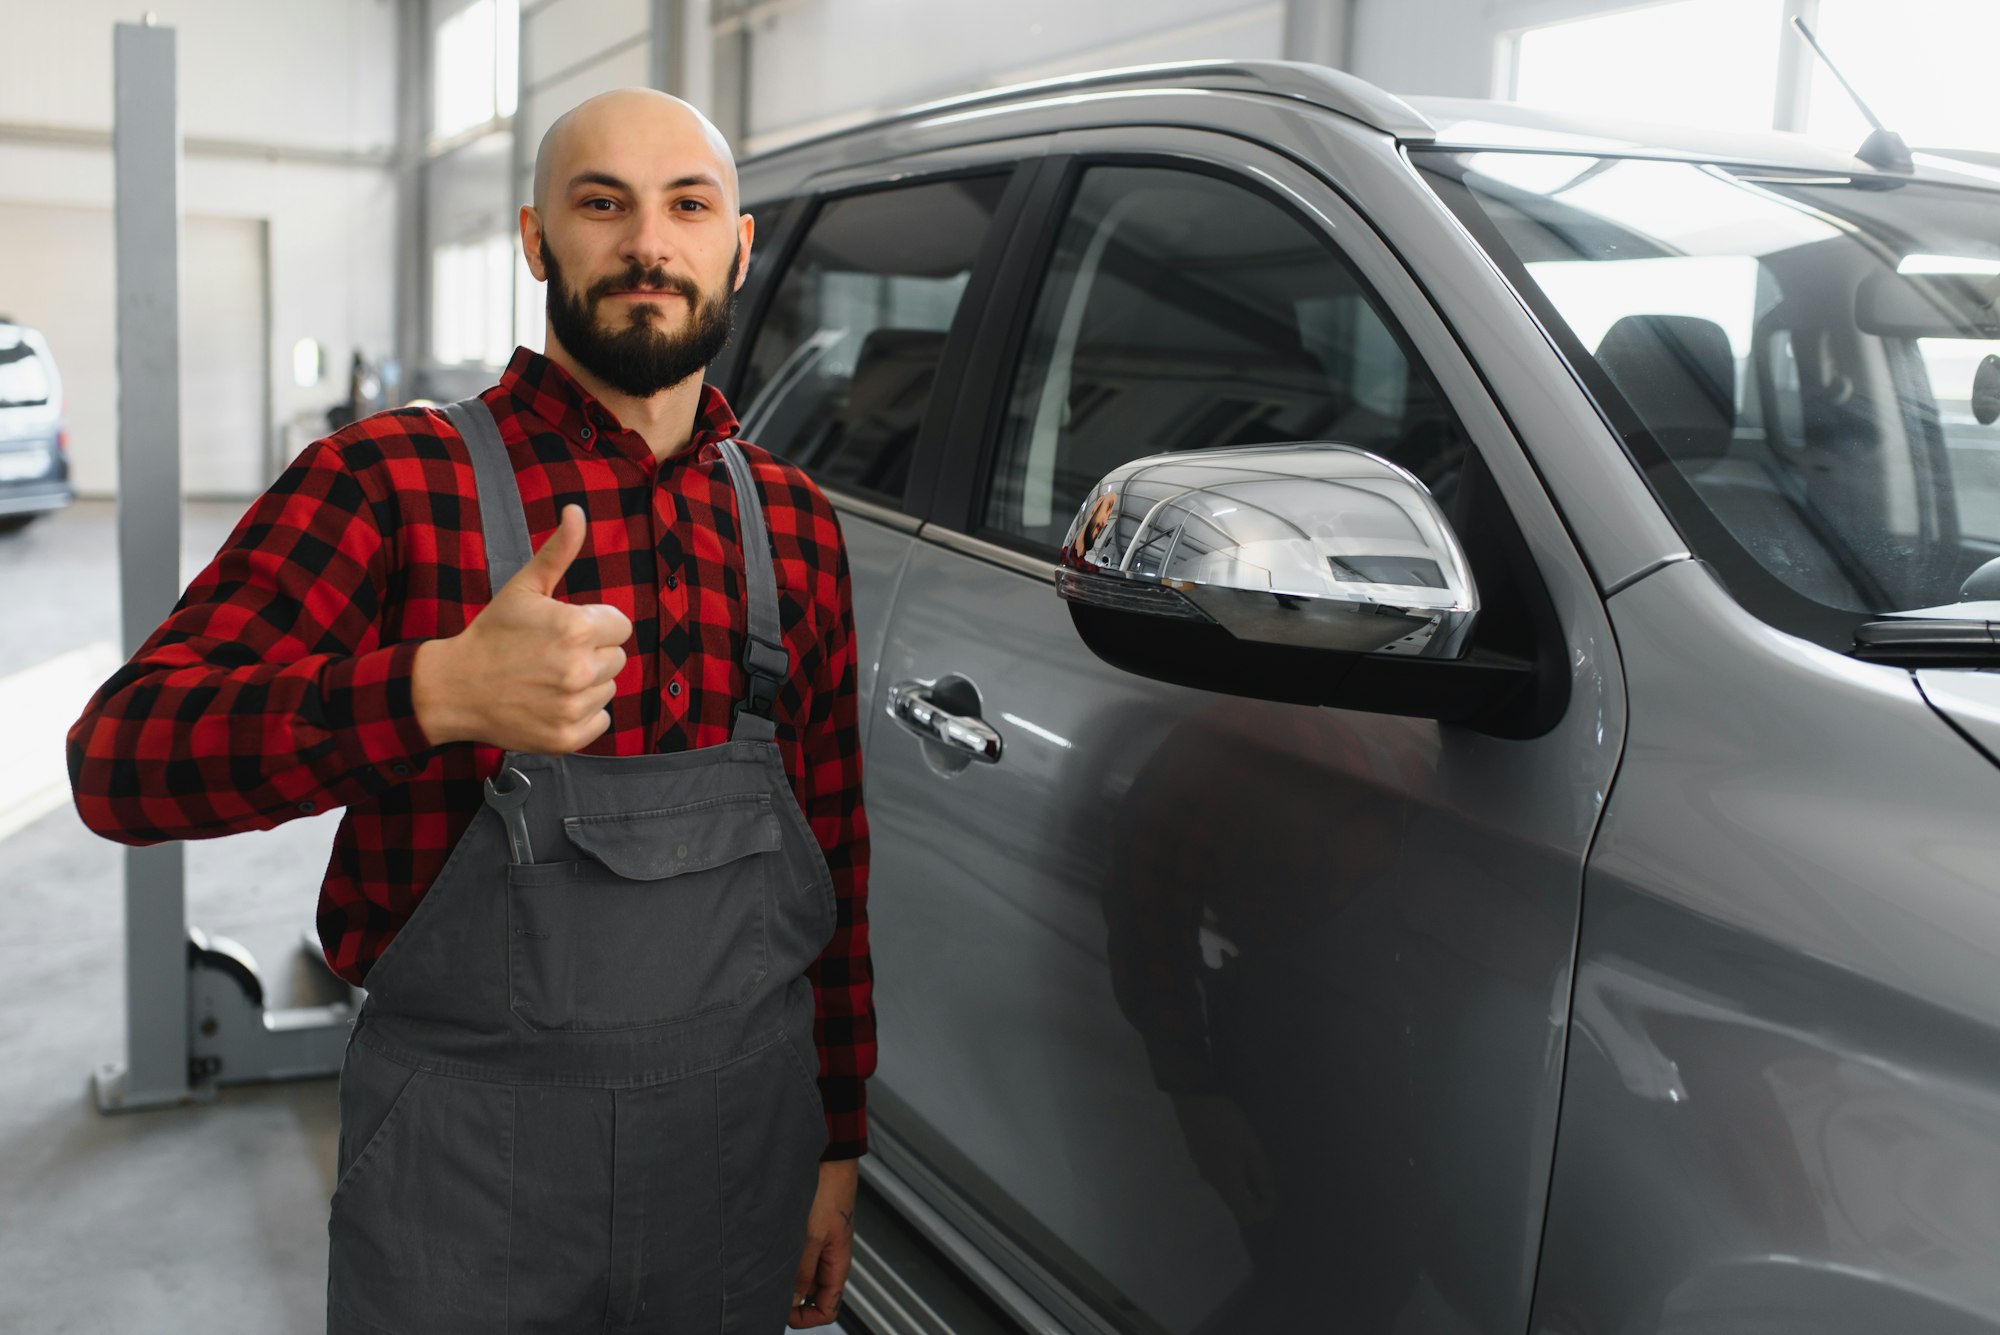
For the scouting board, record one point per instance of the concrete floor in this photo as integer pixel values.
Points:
(199, 1219)
(209, 1219)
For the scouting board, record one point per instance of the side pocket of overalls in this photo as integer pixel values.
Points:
(418, 1233)
(372, 1088)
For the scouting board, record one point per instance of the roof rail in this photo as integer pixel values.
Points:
(1319, 85)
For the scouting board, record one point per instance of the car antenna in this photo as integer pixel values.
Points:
(1883, 147)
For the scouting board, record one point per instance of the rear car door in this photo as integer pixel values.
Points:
(850, 340)
(1202, 1013)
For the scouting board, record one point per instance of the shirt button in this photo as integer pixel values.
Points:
(585, 434)
(400, 770)
(673, 581)
(308, 808)
(674, 689)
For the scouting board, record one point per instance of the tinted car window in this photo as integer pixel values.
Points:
(840, 373)
(24, 382)
(1185, 312)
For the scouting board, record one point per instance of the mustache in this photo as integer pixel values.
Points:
(637, 276)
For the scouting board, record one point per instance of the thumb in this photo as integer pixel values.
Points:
(546, 567)
(802, 1279)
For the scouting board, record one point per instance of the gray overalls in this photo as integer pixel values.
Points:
(580, 1095)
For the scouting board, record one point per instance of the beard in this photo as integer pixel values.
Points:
(638, 359)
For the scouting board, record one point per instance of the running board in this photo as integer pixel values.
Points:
(884, 1300)
(914, 1274)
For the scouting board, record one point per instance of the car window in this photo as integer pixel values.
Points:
(1182, 311)
(840, 372)
(24, 382)
(1793, 359)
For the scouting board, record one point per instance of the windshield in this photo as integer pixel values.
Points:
(1794, 361)
(23, 383)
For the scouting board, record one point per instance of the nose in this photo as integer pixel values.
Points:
(648, 241)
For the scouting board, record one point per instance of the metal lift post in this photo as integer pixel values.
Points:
(194, 1007)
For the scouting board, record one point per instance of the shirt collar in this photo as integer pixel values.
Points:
(547, 391)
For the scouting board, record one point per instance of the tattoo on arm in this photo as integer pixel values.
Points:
(848, 1215)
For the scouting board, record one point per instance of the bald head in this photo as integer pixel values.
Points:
(612, 125)
(638, 230)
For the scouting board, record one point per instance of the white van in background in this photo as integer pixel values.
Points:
(34, 445)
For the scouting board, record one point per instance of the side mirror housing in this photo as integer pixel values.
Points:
(1308, 573)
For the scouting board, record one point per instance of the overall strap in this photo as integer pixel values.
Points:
(766, 662)
(501, 517)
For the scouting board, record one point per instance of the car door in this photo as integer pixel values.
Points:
(849, 343)
(1202, 1013)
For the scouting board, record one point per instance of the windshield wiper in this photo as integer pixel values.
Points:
(1928, 642)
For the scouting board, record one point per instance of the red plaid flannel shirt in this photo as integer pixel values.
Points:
(280, 685)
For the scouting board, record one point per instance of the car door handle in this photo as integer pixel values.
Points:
(911, 703)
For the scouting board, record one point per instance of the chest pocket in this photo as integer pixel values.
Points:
(662, 920)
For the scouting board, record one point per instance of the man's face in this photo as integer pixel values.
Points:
(641, 330)
(641, 244)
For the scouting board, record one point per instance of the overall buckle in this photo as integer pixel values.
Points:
(766, 665)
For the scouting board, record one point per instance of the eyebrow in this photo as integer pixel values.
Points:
(609, 181)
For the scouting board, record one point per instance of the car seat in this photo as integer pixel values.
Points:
(1678, 374)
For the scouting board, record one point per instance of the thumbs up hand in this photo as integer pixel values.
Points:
(530, 673)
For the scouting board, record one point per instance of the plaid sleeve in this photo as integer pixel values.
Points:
(842, 977)
(267, 693)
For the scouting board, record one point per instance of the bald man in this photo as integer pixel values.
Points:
(580, 668)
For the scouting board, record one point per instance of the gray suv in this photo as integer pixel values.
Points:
(1432, 712)
(34, 443)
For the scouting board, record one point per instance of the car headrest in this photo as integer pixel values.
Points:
(886, 363)
(1679, 375)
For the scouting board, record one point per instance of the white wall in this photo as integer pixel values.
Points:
(820, 64)
(574, 49)
(825, 63)
(55, 279)
(1441, 47)
(316, 81)
(317, 73)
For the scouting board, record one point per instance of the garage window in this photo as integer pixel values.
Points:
(1925, 66)
(472, 302)
(475, 73)
(1639, 63)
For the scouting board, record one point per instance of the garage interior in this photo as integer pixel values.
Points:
(349, 178)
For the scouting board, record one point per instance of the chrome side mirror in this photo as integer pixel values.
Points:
(1311, 546)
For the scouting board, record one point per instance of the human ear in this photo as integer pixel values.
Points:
(531, 241)
(746, 228)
